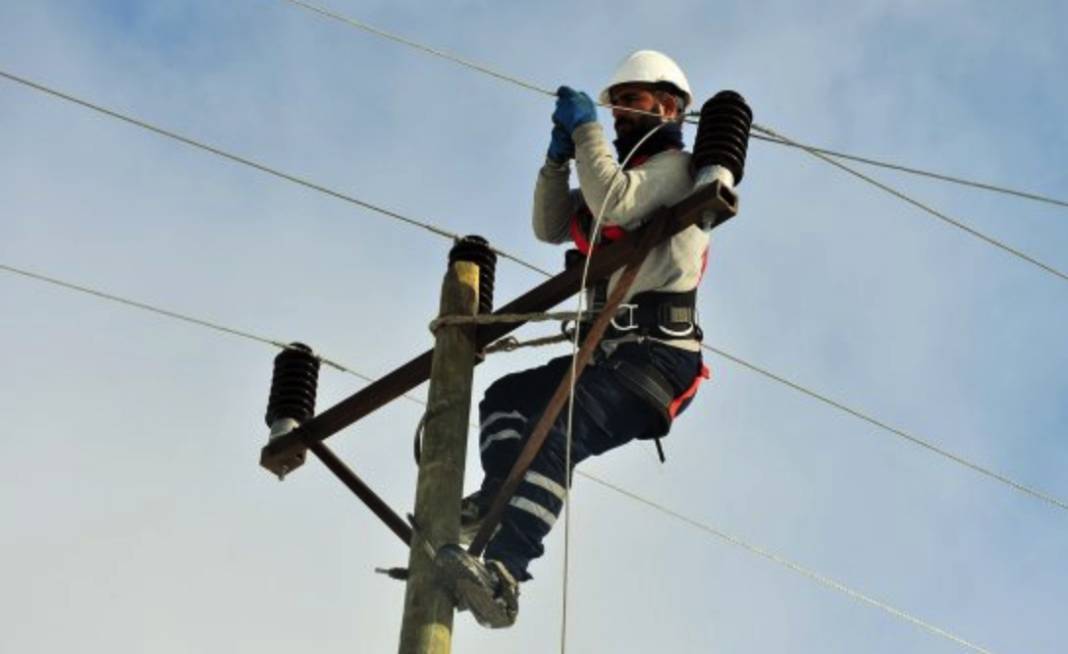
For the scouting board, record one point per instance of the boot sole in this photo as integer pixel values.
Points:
(470, 590)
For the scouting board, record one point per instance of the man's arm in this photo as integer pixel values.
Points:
(553, 202)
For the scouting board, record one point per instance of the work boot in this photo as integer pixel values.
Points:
(486, 588)
(473, 510)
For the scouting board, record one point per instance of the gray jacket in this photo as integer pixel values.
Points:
(664, 179)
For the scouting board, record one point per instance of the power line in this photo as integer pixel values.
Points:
(777, 138)
(796, 567)
(916, 203)
(486, 70)
(250, 163)
(514, 258)
(826, 581)
(993, 188)
(174, 315)
(769, 132)
(915, 440)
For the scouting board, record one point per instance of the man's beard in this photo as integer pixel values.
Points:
(630, 130)
(635, 125)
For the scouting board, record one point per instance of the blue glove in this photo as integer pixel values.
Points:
(561, 147)
(573, 108)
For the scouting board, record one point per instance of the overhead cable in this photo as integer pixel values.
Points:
(704, 527)
(993, 188)
(250, 163)
(451, 236)
(767, 131)
(916, 203)
(796, 567)
(915, 440)
(174, 315)
(486, 70)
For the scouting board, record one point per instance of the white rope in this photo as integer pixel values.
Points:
(594, 233)
(796, 567)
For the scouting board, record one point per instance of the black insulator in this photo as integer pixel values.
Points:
(293, 385)
(476, 250)
(723, 134)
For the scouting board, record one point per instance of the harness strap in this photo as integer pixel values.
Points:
(659, 314)
(687, 395)
(650, 384)
(581, 223)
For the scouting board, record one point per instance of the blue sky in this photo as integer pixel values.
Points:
(136, 517)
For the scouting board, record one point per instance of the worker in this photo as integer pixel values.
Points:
(649, 364)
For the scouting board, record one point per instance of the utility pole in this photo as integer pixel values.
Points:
(428, 608)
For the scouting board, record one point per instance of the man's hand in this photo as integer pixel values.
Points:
(573, 108)
(561, 147)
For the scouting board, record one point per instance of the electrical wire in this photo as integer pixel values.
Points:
(796, 567)
(594, 233)
(770, 138)
(773, 136)
(323, 11)
(252, 164)
(919, 172)
(916, 203)
(174, 315)
(915, 440)
(511, 257)
(634, 496)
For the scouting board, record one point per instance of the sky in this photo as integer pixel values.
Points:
(136, 517)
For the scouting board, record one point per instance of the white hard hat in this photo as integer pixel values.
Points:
(650, 67)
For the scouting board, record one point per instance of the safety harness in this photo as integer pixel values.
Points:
(661, 315)
(648, 383)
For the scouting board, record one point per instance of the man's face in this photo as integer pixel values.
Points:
(640, 98)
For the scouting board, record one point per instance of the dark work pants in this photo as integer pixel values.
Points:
(607, 415)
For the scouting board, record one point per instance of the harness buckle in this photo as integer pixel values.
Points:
(680, 320)
(628, 310)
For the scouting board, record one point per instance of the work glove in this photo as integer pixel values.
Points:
(561, 147)
(573, 108)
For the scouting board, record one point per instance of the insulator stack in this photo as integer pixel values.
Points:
(293, 388)
(722, 139)
(476, 250)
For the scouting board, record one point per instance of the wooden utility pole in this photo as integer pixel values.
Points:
(428, 608)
